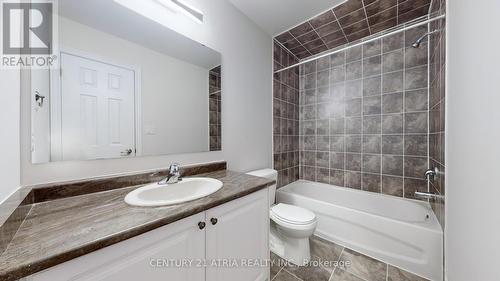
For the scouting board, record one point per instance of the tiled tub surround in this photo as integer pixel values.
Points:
(215, 126)
(348, 22)
(352, 266)
(285, 117)
(364, 117)
(437, 105)
(101, 219)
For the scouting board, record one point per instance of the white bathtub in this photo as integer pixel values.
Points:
(404, 233)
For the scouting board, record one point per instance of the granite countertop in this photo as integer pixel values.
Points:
(60, 230)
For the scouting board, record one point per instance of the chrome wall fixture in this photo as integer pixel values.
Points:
(421, 38)
(431, 174)
(428, 195)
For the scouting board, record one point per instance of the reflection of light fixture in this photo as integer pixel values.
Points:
(183, 7)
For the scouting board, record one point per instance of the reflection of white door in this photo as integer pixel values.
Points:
(40, 115)
(97, 109)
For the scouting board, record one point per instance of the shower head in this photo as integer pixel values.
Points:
(417, 42)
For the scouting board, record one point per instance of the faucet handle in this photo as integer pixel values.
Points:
(430, 174)
(174, 168)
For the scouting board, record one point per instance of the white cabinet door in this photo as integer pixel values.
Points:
(142, 258)
(97, 109)
(241, 234)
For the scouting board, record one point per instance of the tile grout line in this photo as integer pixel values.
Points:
(285, 48)
(301, 103)
(279, 64)
(371, 115)
(296, 277)
(366, 16)
(321, 38)
(341, 28)
(277, 273)
(397, 12)
(362, 111)
(375, 174)
(381, 110)
(344, 97)
(428, 101)
(354, 274)
(343, 250)
(302, 45)
(338, 260)
(404, 109)
(329, 119)
(316, 111)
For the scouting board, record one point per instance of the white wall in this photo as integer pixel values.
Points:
(246, 107)
(9, 140)
(171, 89)
(473, 141)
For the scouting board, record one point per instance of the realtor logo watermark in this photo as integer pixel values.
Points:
(29, 34)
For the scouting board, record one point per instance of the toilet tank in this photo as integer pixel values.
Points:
(268, 174)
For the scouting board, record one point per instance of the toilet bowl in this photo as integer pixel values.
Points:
(291, 226)
(294, 226)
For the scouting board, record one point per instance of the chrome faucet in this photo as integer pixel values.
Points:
(174, 175)
(428, 195)
(430, 174)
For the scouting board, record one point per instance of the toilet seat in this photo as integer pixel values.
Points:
(292, 215)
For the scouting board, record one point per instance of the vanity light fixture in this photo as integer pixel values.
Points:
(183, 7)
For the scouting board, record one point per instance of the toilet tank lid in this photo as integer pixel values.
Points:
(265, 173)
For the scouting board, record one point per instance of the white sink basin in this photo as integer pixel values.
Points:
(155, 195)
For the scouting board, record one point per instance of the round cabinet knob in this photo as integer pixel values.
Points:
(202, 225)
(213, 221)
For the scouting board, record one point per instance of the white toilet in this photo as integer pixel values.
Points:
(291, 226)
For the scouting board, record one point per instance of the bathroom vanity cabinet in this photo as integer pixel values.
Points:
(215, 245)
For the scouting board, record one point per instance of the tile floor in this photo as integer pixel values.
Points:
(355, 267)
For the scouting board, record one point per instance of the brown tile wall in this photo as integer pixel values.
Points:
(285, 117)
(437, 106)
(215, 127)
(348, 22)
(364, 117)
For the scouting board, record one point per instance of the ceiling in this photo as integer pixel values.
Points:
(276, 16)
(348, 22)
(140, 27)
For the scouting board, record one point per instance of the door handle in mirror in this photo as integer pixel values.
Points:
(126, 152)
(39, 99)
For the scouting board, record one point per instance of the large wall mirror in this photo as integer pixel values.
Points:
(127, 87)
